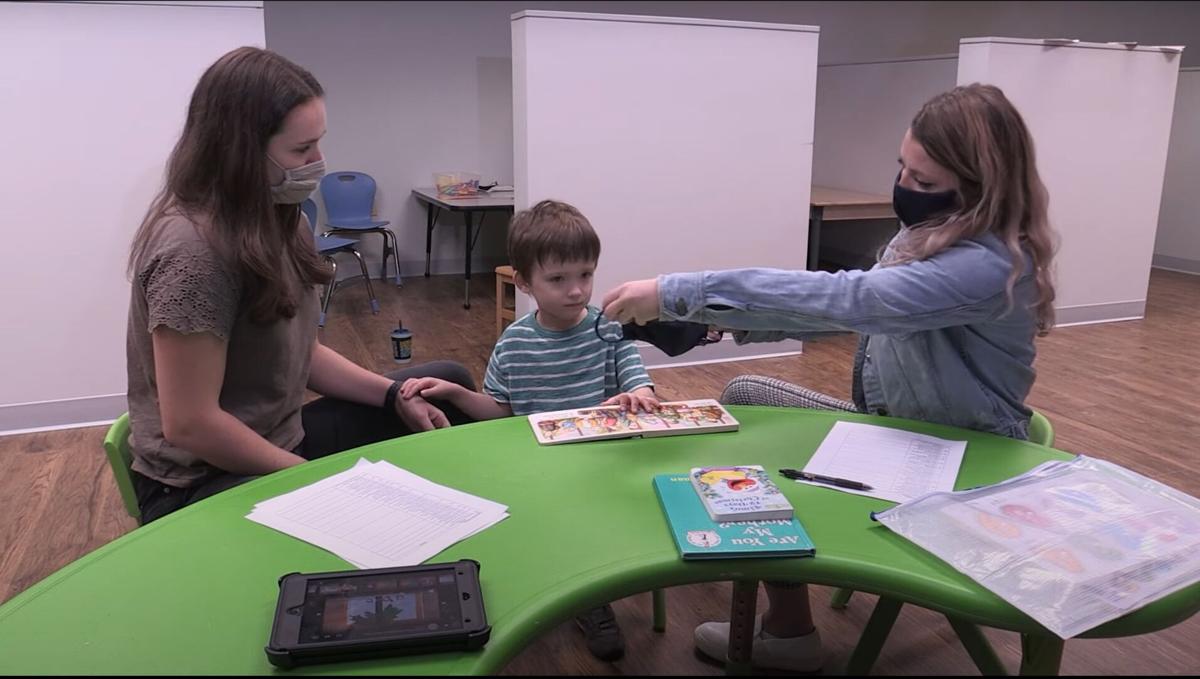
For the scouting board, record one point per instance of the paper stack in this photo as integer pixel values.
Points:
(376, 515)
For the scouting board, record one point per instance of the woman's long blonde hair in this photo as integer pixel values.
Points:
(975, 132)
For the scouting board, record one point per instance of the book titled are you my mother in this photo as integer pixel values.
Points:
(697, 536)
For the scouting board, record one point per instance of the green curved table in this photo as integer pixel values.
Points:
(195, 591)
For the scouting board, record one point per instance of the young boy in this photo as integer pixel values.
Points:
(554, 358)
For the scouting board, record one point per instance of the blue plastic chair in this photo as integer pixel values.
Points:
(349, 198)
(327, 247)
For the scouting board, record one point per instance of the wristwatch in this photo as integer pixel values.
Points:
(389, 401)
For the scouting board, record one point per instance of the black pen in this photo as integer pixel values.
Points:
(796, 474)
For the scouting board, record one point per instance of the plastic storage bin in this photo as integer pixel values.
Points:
(456, 183)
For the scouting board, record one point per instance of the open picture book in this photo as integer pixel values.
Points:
(612, 422)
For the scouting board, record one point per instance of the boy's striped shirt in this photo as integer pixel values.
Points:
(536, 370)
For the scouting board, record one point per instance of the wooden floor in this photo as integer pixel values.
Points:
(1125, 392)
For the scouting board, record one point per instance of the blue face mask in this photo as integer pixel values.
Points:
(916, 207)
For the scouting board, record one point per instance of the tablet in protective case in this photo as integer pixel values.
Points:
(377, 612)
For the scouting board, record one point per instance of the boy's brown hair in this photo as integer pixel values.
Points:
(550, 231)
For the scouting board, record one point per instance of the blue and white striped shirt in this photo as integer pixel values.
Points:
(535, 370)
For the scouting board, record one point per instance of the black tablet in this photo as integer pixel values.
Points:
(352, 615)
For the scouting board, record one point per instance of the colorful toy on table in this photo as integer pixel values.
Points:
(456, 184)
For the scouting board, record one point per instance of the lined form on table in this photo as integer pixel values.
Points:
(376, 515)
(898, 465)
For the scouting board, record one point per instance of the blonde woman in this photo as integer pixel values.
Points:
(947, 317)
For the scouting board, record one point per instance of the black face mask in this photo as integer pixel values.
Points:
(915, 207)
(672, 337)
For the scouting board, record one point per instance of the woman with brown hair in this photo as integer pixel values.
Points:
(947, 316)
(222, 336)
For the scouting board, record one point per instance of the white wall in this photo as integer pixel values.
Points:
(863, 110)
(411, 88)
(687, 144)
(93, 98)
(416, 87)
(1100, 118)
(1178, 243)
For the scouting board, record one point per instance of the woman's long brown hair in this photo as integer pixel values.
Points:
(975, 132)
(217, 175)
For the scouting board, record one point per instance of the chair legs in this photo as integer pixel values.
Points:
(1040, 654)
(979, 649)
(328, 291)
(391, 248)
(362, 264)
(660, 610)
(841, 598)
(367, 280)
(390, 242)
(873, 636)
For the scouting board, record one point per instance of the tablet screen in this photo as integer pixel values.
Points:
(374, 606)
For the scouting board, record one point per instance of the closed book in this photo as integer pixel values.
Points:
(742, 493)
(699, 537)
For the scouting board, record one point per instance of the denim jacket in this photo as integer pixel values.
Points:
(941, 341)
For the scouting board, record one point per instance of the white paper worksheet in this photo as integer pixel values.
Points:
(898, 465)
(378, 515)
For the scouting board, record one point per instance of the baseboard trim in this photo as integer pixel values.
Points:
(348, 268)
(24, 418)
(446, 267)
(1178, 264)
(722, 352)
(1109, 312)
(71, 413)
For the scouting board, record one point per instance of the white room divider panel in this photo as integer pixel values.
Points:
(94, 97)
(862, 112)
(1177, 244)
(686, 142)
(1100, 116)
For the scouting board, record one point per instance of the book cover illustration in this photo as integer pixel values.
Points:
(605, 422)
(739, 494)
(697, 536)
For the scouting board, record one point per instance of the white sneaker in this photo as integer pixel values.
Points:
(791, 654)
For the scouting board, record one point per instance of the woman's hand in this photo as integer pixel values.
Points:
(420, 415)
(633, 302)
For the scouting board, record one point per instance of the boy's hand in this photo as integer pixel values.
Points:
(632, 302)
(473, 404)
(639, 399)
(428, 388)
